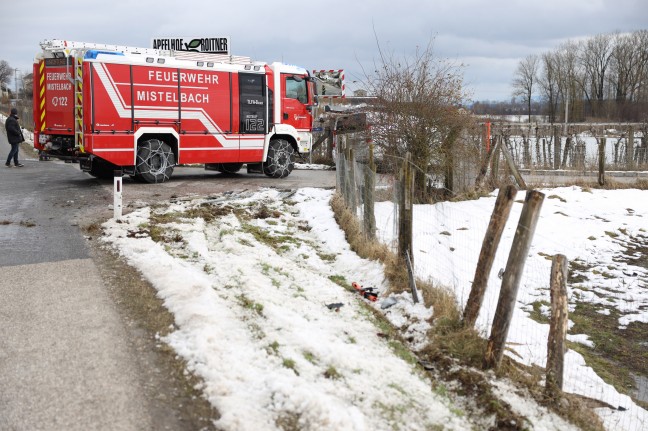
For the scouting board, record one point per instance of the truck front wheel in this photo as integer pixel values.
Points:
(281, 159)
(155, 161)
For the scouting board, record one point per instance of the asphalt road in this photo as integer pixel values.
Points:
(70, 357)
(65, 359)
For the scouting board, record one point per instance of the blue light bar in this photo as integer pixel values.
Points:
(93, 53)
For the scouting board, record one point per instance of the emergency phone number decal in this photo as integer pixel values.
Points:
(59, 101)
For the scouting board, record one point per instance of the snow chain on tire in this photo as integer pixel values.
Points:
(281, 159)
(155, 161)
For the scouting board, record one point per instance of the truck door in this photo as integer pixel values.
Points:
(294, 104)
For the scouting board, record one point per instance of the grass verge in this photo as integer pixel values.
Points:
(175, 396)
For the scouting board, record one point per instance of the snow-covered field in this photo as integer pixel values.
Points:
(250, 278)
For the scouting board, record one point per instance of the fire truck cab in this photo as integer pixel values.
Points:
(144, 111)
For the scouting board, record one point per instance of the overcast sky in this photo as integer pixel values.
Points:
(488, 37)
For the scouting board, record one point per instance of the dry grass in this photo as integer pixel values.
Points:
(610, 184)
(444, 301)
(395, 270)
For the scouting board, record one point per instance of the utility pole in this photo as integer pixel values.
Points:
(16, 82)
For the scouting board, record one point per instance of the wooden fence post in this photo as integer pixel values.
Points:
(556, 148)
(324, 137)
(368, 196)
(405, 209)
(557, 327)
(341, 171)
(512, 276)
(630, 148)
(514, 170)
(491, 241)
(350, 184)
(495, 165)
(527, 149)
(601, 157)
(544, 153)
(486, 162)
(330, 140)
(568, 145)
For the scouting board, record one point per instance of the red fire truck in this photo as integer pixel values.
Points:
(144, 111)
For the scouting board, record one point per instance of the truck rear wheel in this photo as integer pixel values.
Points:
(155, 161)
(281, 159)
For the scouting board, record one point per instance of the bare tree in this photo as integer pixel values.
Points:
(627, 69)
(5, 72)
(28, 85)
(595, 59)
(417, 110)
(525, 79)
(566, 64)
(605, 76)
(548, 81)
(641, 90)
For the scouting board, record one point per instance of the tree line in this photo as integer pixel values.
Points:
(603, 78)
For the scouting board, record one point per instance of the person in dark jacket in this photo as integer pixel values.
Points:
(15, 137)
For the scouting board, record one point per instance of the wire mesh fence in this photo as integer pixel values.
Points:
(579, 148)
(447, 238)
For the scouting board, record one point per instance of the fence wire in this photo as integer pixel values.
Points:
(447, 242)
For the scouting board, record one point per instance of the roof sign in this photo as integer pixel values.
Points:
(212, 45)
